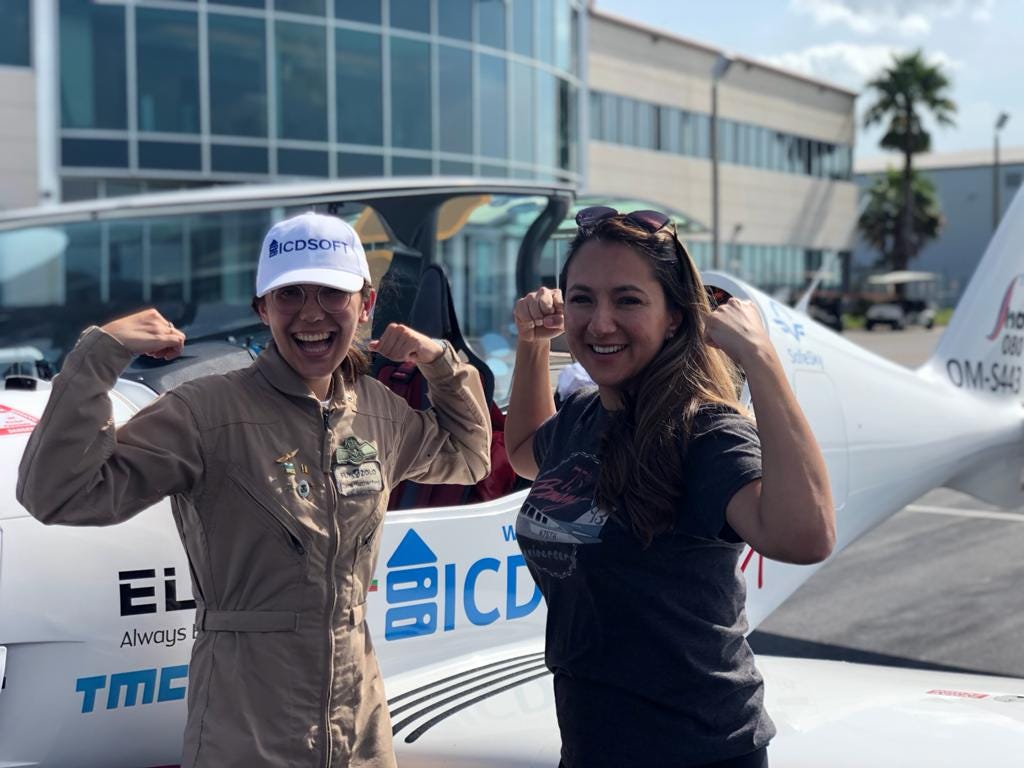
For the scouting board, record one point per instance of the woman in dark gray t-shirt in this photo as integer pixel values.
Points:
(646, 489)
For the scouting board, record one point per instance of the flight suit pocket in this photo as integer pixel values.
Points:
(275, 515)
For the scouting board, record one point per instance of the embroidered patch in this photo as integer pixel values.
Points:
(359, 479)
(355, 451)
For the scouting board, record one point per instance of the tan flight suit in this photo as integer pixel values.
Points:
(279, 502)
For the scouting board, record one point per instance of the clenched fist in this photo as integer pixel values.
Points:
(147, 333)
(736, 328)
(540, 315)
(403, 344)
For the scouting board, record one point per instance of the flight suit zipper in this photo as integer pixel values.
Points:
(332, 592)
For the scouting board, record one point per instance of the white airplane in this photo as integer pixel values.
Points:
(96, 625)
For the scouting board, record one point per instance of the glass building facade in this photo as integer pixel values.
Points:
(157, 93)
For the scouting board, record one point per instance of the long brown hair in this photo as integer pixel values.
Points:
(643, 449)
(356, 362)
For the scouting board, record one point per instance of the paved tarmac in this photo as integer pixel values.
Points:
(938, 585)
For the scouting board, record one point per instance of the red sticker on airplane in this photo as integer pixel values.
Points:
(14, 422)
(958, 694)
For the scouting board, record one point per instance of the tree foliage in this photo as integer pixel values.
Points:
(903, 92)
(879, 222)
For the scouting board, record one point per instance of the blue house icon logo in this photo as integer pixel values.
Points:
(412, 587)
(274, 248)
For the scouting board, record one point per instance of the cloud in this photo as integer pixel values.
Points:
(850, 65)
(909, 18)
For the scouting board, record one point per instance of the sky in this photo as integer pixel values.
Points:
(979, 43)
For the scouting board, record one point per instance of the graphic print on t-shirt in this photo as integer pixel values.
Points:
(559, 514)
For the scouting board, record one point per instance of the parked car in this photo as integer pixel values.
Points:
(898, 314)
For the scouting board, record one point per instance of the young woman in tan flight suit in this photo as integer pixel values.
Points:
(279, 476)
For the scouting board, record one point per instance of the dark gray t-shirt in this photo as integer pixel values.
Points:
(647, 646)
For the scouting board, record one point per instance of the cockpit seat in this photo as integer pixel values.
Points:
(433, 314)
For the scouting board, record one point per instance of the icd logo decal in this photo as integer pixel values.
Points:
(414, 583)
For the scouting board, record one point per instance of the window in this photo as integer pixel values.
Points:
(360, 84)
(596, 121)
(92, 66)
(725, 141)
(231, 159)
(522, 27)
(311, 7)
(301, 162)
(523, 100)
(456, 168)
(456, 99)
(301, 59)
(645, 126)
(547, 126)
(411, 122)
(410, 166)
(563, 40)
(669, 130)
(493, 110)
(455, 19)
(490, 16)
(351, 164)
(366, 11)
(94, 153)
(610, 116)
(568, 121)
(238, 75)
(687, 134)
(627, 125)
(167, 56)
(168, 155)
(15, 33)
(544, 24)
(413, 15)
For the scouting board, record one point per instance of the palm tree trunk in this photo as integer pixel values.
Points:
(905, 234)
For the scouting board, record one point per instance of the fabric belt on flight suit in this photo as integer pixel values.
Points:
(246, 621)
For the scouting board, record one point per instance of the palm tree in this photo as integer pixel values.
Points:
(903, 90)
(880, 221)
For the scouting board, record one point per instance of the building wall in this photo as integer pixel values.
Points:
(769, 198)
(966, 199)
(19, 187)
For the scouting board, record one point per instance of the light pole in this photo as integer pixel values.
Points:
(721, 66)
(996, 207)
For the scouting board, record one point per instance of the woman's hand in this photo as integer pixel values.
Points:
(147, 333)
(736, 329)
(540, 315)
(403, 344)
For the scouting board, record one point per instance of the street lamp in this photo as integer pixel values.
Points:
(996, 207)
(721, 66)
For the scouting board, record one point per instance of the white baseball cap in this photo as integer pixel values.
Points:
(312, 248)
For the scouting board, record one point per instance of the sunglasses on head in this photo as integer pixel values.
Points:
(649, 221)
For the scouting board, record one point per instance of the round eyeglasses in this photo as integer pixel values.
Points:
(291, 298)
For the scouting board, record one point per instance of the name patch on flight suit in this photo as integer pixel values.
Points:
(356, 472)
(357, 479)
